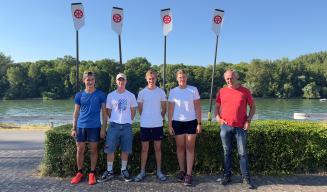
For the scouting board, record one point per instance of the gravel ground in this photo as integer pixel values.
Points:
(21, 154)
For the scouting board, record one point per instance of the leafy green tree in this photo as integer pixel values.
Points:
(5, 62)
(310, 91)
(17, 78)
(260, 77)
(135, 70)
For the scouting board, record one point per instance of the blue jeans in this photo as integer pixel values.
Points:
(119, 135)
(226, 135)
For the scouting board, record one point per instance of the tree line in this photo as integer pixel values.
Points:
(305, 76)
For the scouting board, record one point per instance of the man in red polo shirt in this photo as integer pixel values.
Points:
(231, 113)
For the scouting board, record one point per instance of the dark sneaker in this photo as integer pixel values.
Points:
(188, 180)
(249, 183)
(225, 180)
(106, 176)
(180, 176)
(125, 175)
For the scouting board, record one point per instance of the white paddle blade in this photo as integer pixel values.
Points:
(167, 21)
(217, 20)
(78, 15)
(117, 16)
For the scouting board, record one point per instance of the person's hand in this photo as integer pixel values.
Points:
(247, 125)
(171, 130)
(73, 133)
(103, 134)
(198, 128)
(220, 120)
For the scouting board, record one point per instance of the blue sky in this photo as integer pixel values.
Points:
(265, 29)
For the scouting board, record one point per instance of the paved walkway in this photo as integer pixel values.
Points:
(21, 153)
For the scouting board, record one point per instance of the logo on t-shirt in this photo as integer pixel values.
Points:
(122, 104)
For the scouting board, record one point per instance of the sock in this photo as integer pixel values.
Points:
(92, 171)
(142, 171)
(158, 170)
(123, 165)
(109, 165)
(80, 170)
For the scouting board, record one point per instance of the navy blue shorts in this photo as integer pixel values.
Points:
(88, 134)
(185, 127)
(151, 134)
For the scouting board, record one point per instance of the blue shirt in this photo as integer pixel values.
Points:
(90, 107)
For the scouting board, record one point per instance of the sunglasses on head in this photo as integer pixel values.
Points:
(88, 73)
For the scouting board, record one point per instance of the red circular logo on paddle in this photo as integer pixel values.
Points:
(78, 13)
(116, 18)
(166, 19)
(217, 19)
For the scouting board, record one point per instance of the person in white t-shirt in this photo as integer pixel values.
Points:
(184, 122)
(152, 108)
(121, 110)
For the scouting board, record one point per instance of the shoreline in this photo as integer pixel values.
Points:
(23, 127)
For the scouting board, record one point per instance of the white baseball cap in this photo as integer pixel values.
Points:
(121, 75)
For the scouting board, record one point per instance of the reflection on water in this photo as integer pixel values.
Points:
(60, 111)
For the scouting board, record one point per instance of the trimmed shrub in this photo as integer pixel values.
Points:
(275, 148)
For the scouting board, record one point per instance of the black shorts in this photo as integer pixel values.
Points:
(151, 134)
(185, 127)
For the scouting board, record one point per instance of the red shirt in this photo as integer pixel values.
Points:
(233, 105)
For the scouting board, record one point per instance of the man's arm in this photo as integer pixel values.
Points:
(251, 112)
(250, 116)
(163, 109)
(133, 112)
(217, 112)
(75, 117)
(104, 116)
(140, 107)
(104, 120)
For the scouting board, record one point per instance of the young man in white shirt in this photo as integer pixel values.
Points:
(152, 108)
(121, 110)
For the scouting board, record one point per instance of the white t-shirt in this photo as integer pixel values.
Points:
(184, 102)
(151, 112)
(120, 105)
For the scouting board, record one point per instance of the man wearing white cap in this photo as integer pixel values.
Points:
(121, 110)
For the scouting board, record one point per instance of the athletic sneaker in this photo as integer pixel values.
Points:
(225, 180)
(180, 176)
(92, 180)
(188, 180)
(249, 183)
(106, 176)
(125, 175)
(139, 177)
(78, 177)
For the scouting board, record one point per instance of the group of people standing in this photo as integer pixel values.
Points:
(184, 123)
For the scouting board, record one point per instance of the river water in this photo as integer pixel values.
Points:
(38, 111)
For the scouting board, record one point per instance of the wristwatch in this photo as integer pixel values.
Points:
(199, 123)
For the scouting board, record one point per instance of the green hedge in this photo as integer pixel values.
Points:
(275, 147)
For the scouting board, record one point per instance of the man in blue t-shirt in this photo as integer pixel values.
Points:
(87, 124)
